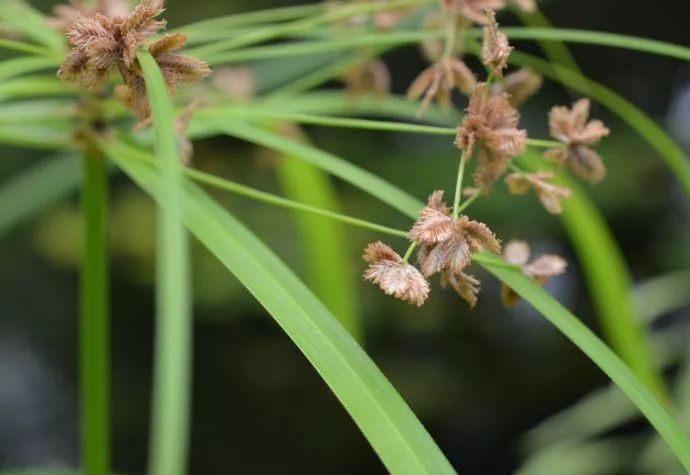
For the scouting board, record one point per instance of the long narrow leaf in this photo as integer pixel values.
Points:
(394, 432)
(36, 188)
(323, 242)
(172, 379)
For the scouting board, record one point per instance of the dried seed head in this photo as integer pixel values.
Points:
(495, 49)
(518, 86)
(571, 126)
(438, 81)
(491, 123)
(455, 252)
(539, 270)
(464, 284)
(549, 194)
(393, 275)
(101, 44)
(434, 224)
(472, 10)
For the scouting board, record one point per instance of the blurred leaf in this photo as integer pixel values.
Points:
(39, 186)
(323, 242)
(24, 64)
(32, 24)
(394, 432)
(609, 282)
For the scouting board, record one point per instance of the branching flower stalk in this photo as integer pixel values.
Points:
(489, 134)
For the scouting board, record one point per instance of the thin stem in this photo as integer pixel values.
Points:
(94, 341)
(458, 184)
(468, 202)
(345, 122)
(409, 251)
(261, 196)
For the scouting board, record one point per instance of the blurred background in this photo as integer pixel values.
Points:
(479, 380)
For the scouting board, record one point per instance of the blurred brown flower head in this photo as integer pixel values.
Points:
(549, 194)
(65, 16)
(491, 125)
(539, 270)
(101, 44)
(495, 48)
(467, 286)
(438, 81)
(524, 5)
(447, 243)
(571, 126)
(369, 77)
(518, 86)
(236, 82)
(393, 275)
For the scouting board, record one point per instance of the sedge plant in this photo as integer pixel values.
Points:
(94, 79)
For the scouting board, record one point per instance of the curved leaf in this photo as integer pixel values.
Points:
(392, 429)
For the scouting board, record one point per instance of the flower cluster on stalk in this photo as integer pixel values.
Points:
(446, 238)
(106, 40)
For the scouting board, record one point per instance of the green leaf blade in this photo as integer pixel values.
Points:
(395, 433)
(172, 373)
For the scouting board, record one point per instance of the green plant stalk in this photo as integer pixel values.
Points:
(548, 39)
(223, 184)
(94, 348)
(173, 345)
(304, 25)
(324, 244)
(346, 122)
(213, 28)
(458, 184)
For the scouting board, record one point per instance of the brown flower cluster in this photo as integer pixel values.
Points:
(438, 81)
(490, 129)
(571, 126)
(446, 246)
(394, 275)
(101, 44)
(540, 270)
(367, 77)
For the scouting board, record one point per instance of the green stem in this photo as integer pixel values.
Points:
(261, 196)
(94, 341)
(458, 184)
(409, 251)
(468, 202)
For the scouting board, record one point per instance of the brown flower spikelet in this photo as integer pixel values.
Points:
(495, 48)
(393, 275)
(438, 81)
(491, 123)
(101, 44)
(550, 195)
(446, 243)
(539, 270)
(467, 286)
(571, 126)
